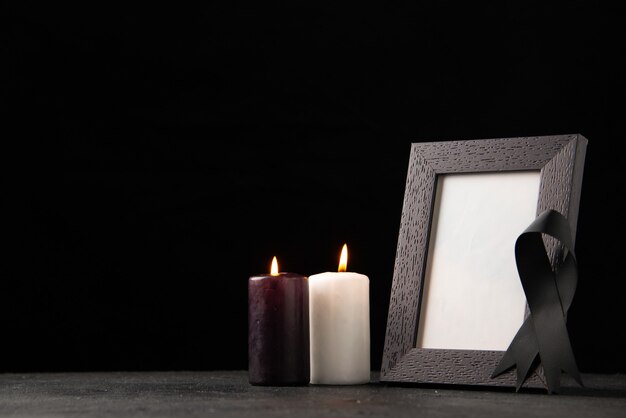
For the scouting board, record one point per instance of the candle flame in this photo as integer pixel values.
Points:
(274, 269)
(343, 260)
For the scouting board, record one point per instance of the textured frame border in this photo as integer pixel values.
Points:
(560, 160)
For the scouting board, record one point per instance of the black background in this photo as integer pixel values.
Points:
(161, 155)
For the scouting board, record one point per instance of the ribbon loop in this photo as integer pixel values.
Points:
(549, 293)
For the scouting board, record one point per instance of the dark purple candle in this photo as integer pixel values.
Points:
(278, 329)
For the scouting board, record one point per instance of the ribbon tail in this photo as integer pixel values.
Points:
(566, 280)
(554, 346)
(568, 365)
(523, 370)
(521, 354)
(553, 369)
(572, 370)
(507, 362)
(553, 377)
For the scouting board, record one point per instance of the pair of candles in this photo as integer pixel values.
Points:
(309, 330)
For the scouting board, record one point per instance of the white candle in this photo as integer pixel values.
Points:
(340, 327)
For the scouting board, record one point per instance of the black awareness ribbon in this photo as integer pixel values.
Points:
(549, 294)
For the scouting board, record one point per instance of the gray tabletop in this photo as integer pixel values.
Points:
(228, 394)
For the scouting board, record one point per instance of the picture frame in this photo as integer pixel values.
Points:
(559, 162)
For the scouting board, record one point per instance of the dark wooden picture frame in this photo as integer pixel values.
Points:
(560, 160)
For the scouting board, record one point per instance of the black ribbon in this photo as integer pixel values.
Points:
(549, 294)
